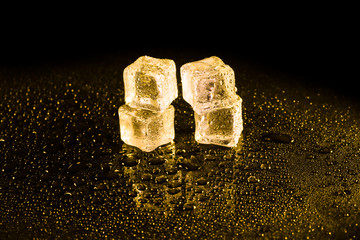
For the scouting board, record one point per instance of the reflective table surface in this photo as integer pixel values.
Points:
(66, 174)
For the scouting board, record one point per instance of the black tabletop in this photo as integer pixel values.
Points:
(65, 173)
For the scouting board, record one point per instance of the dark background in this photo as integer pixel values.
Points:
(317, 43)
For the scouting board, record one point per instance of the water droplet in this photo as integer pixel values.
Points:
(347, 191)
(191, 164)
(202, 198)
(278, 138)
(157, 201)
(189, 206)
(141, 187)
(264, 229)
(160, 179)
(201, 181)
(142, 200)
(174, 184)
(101, 186)
(77, 167)
(147, 195)
(132, 193)
(158, 160)
(325, 150)
(264, 166)
(156, 171)
(198, 190)
(210, 157)
(311, 156)
(171, 170)
(130, 161)
(253, 179)
(78, 181)
(111, 175)
(146, 177)
(222, 164)
(173, 191)
(10, 166)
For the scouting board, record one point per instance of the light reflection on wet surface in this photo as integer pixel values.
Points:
(66, 173)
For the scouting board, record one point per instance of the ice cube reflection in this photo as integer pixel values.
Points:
(171, 186)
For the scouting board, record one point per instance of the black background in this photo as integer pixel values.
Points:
(315, 42)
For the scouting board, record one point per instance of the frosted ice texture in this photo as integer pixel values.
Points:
(208, 83)
(150, 83)
(220, 126)
(146, 129)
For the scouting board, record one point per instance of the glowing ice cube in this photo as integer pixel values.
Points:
(208, 83)
(150, 83)
(146, 129)
(220, 126)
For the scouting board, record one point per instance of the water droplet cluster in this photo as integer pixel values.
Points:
(64, 172)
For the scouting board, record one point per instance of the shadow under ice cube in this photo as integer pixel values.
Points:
(146, 129)
(220, 126)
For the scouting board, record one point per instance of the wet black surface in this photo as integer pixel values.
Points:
(65, 172)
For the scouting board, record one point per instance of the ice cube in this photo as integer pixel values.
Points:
(150, 83)
(220, 126)
(208, 83)
(146, 129)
